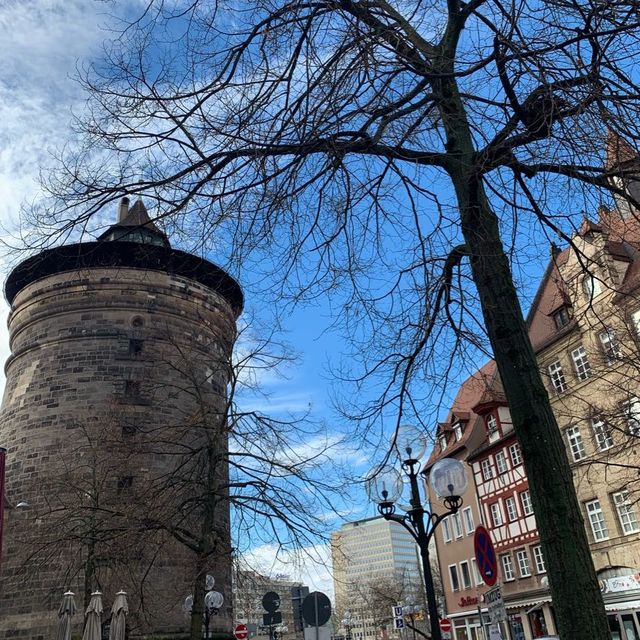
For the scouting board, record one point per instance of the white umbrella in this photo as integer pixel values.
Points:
(92, 618)
(66, 610)
(119, 612)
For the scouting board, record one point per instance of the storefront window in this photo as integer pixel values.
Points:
(517, 628)
(614, 627)
(630, 627)
(538, 623)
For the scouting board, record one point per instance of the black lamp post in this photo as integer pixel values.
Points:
(448, 478)
(212, 603)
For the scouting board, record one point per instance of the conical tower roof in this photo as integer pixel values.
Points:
(135, 225)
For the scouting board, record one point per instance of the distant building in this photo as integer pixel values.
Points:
(368, 553)
(249, 587)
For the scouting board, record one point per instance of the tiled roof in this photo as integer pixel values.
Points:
(618, 151)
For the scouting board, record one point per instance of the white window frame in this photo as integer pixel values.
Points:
(576, 443)
(610, 346)
(515, 453)
(538, 559)
(556, 374)
(591, 286)
(469, 525)
(626, 513)
(581, 363)
(457, 430)
(442, 440)
(506, 564)
(492, 428)
(511, 508)
(501, 462)
(446, 530)
(523, 563)
(457, 525)
(496, 514)
(476, 573)
(451, 576)
(465, 584)
(597, 521)
(525, 502)
(487, 469)
(632, 411)
(601, 433)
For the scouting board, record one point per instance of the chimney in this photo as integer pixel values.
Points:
(123, 209)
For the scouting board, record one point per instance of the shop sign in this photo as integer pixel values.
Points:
(620, 583)
(495, 605)
(469, 601)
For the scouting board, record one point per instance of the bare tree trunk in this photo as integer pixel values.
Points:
(576, 594)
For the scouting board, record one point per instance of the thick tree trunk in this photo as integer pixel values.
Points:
(574, 587)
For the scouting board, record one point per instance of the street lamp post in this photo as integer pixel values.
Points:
(346, 623)
(449, 482)
(213, 601)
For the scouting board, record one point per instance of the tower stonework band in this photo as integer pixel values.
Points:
(114, 424)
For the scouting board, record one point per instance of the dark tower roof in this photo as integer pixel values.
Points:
(134, 242)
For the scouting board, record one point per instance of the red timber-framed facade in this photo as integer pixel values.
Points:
(505, 503)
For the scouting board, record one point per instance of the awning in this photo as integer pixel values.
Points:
(622, 606)
(529, 604)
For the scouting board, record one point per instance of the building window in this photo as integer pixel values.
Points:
(626, 513)
(597, 521)
(487, 469)
(591, 286)
(512, 511)
(135, 347)
(453, 576)
(561, 317)
(465, 575)
(501, 462)
(516, 454)
(632, 411)
(538, 558)
(492, 428)
(581, 363)
(457, 430)
(457, 524)
(446, 530)
(610, 346)
(507, 568)
(443, 442)
(525, 501)
(576, 445)
(557, 377)
(601, 433)
(496, 514)
(476, 573)
(468, 520)
(523, 563)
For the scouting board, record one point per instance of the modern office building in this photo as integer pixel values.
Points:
(369, 554)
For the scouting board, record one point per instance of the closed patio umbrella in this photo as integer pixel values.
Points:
(66, 610)
(119, 612)
(92, 618)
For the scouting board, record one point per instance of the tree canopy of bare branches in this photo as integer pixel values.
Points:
(393, 155)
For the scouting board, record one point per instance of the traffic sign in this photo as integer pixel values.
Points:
(495, 605)
(396, 612)
(398, 623)
(271, 601)
(445, 625)
(271, 619)
(485, 556)
(316, 609)
(241, 632)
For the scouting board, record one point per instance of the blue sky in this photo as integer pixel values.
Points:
(41, 42)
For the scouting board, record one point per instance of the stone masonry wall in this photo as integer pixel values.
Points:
(115, 379)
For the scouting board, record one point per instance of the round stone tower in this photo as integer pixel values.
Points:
(113, 418)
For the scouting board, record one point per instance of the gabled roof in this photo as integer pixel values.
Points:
(618, 151)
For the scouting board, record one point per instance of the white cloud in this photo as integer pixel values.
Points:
(309, 565)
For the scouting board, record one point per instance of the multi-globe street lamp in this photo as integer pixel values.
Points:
(346, 623)
(448, 478)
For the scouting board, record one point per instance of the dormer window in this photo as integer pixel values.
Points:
(562, 317)
(591, 286)
(443, 442)
(492, 428)
(457, 430)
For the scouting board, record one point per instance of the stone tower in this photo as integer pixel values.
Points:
(113, 418)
